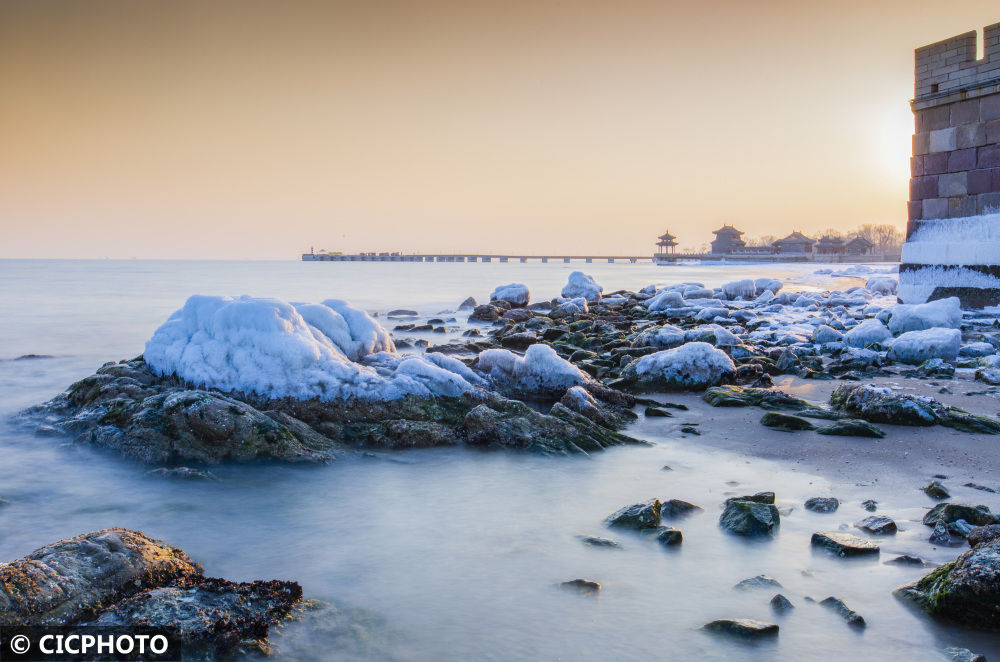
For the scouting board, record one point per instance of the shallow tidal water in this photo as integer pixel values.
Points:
(450, 554)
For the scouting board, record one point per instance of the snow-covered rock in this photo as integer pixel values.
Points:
(713, 334)
(514, 293)
(920, 346)
(665, 299)
(942, 313)
(694, 365)
(881, 285)
(661, 337)
(539, 372)
(868, 332)
(274, 349)
(977, 349)
(582, 285)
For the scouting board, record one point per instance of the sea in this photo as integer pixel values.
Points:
(448, 554)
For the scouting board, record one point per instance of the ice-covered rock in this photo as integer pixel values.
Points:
(740, 289)
(943, 313)
(712, 333)
(582, 285)
(570, 307)
(664, 300)
(826, 334)
(514, 293)
(274, 349)
(661, 337)
(692, 366)
(868, 332)
(881, 285)
(919, 346)
(539, 372)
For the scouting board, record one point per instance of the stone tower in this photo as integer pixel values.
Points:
(953, 233)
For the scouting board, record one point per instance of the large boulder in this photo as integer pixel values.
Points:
(965, 591)
(943, 313)
(919, 346)
(123, 578)
(879, 404)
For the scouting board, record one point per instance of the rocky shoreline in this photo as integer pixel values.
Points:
(569, 376)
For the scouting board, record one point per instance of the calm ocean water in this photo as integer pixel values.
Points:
(454, 554)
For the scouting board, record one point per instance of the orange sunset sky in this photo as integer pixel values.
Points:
(246, 129)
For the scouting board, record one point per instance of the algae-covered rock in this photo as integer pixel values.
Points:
(966, 591)
(643, 515)
(949, 513)
(745, 396)
(749, 518)
(786, 422)
(851, 427)
(746, 628)
(884, 405)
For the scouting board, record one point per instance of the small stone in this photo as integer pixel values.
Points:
(877, 525)
(666, 467)
(852, 617)
(658, 411)
(742, 627)
(936, 490)
(822, 504)
(678, 508)
(687, 429)
(760, 581)
(981, 488)
(906, 559)
(185, 473)
(669, 536)
(584, 586)
(469, 303)
(637, 516)
(781, 604)
(598, 542)
(785, 422)
(871, 505)
(844, 544)
(750, 518)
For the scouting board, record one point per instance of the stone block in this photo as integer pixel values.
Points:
(988, 202)
(988, 157)
(935, 164)
(980, 181)
(952, 184)
(921, 143)
(916, 166)
(989, 108)
(961, 160)
(970, 135)
(931, 119)
(962, 206)
(944, 140)
(914, 211)
(993, 132)
(922, 188)
(935, 208)
(965, 112)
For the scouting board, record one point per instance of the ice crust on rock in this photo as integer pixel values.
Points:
(692, 365)
(540, 371)
(275, 349)
(661, 337)
(881, 285)
(943, 313)
(514, 293)
(868, 332)
(582, 285)
(664, 300)
(920, 346)
(745, 289)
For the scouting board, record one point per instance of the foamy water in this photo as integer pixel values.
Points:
(456, 552)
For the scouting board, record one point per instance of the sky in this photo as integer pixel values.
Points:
(245, 129)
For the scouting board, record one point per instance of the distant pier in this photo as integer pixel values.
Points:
(668, 258)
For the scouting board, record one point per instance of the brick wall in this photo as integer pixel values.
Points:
(955, 166)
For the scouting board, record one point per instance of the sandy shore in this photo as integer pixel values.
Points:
(907, 458)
